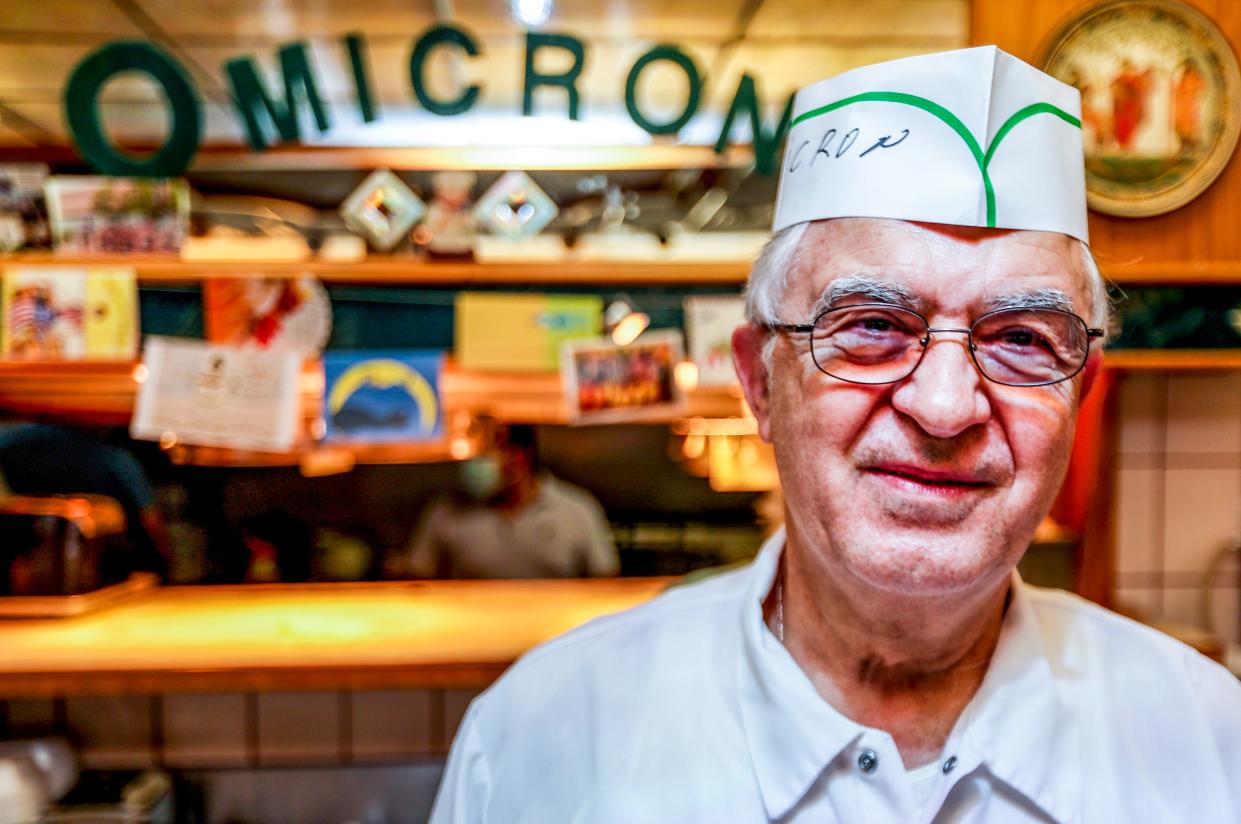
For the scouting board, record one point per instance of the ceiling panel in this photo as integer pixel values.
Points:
(783, 69)
(680, 21)
(246, 21)
(64, 19)
(139, 122)
(12, 137)
(37, 73)
(251, 21)
(842, 21)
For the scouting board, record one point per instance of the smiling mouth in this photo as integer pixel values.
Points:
(929, 480)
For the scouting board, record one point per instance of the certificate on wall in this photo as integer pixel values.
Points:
(208, 395)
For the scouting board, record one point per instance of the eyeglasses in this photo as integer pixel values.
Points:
(874, 343)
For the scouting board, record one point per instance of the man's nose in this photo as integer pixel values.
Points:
(944, 395)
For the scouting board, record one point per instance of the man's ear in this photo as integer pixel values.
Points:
(748, 341)
(1091, 371)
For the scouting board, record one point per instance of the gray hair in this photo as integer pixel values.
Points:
(769, 277)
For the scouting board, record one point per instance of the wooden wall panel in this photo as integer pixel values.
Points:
(1208, 229)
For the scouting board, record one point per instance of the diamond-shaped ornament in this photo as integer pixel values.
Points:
(515, 207)
(382, 209)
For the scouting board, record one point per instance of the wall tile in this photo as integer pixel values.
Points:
(29, 717)
(1204, 413)
(299, 728)
(1140, 413)
(112, 733)
(1225, 614)
(1183, 606)
(1141, 603)
(1139, 519)
(205, 730)
(456, 702)
(1203, 514)
(393, 724)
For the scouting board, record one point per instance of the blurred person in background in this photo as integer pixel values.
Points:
(511, 519)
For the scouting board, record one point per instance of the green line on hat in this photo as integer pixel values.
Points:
(1028, 111)
(953, 122)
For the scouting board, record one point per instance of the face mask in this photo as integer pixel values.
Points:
(480, 477)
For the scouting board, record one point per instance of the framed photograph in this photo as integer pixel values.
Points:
(1160, 107)
(606, 383)
(117, 214)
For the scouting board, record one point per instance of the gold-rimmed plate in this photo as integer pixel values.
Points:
(1160, 101)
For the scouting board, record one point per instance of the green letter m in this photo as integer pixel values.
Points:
(251, 99)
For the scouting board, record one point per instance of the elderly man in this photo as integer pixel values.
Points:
(922, 327)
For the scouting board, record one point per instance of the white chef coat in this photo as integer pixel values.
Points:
(687, 709)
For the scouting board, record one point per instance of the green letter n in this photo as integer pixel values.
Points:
(766, 146)
(251, 99)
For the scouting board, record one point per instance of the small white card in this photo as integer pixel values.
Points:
(206, 395)
(709, 324)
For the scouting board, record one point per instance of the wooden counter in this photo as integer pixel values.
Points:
(302, 637)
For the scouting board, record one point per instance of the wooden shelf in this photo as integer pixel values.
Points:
(1172, 273)
(103, 393)
(410, 271)
(1174, 359)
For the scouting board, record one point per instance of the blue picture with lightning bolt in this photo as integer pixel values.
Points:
(382, 396)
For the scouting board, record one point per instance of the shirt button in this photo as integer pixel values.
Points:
(950, 764)
(867, 761)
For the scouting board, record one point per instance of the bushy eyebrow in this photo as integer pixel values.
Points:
(873, 291)
(1034, 299)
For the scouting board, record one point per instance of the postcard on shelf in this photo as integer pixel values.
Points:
(382, 396)
(111, 313)
(521, 332)
(709, 324)
(206, 395)
(117, 214)
(606, 383)
(268, 313)
(23, 208)
(69, 313)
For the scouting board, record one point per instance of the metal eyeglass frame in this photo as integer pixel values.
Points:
(925, 340)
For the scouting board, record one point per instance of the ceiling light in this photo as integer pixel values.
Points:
(532, 12)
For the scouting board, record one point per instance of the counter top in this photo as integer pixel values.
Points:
(302, 637)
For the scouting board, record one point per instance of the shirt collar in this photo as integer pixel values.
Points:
(1018, 722)
(1016, 726)
(792, 732)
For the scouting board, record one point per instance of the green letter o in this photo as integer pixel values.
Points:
(86, 125)
(675, 55)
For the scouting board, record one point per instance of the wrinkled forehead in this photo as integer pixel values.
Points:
(936, 266)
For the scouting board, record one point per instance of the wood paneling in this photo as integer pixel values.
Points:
(1201, 234)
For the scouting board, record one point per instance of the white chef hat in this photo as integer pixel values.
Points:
(973, 137)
